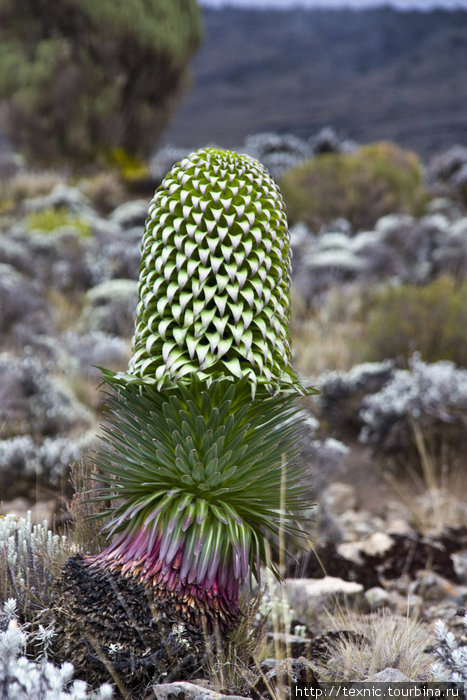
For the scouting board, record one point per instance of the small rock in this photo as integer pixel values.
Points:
(188, 691)
(351, 551)
(130, 214)
(377, 544)
(399, 586)
(448, 611)
(433, 587)
(379, 598)
(43, 510)
(288, 673)
(339, 497)
(459, 560)
(411, 605)
(324, 592)
(399, 525)
(359, 524)
(389, 675)
(295, 645)
(17, 506)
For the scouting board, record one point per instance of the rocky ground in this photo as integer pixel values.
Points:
(387, 549)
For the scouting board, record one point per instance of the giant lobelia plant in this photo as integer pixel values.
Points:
(199, 464)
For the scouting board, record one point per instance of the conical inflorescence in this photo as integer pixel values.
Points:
(199, 457)
(215, 274)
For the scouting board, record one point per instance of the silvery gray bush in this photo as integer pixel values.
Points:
(277, 152)
(24, 679)
(95, 349)
(399, 249)
(341, 393)
(110, 307)
(33, 402)
(27, 553)
(451, 665)
(23, 459)
(328, 141)
(24, 311)
(427, 393)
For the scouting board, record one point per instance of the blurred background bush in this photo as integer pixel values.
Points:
(361, 187)
(87, 80)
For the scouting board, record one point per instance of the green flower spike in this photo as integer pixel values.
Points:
(200, 453)
(215, 275)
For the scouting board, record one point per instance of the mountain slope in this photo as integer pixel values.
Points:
(378, 74)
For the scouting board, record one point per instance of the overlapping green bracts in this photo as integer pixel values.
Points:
(215, 276)
(196, 479)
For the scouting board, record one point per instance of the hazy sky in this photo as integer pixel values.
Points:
(356, 4)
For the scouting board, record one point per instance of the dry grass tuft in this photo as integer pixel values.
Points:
(380, 640)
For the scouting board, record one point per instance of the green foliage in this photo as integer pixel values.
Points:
(78, 79)
(130, 167)
(203, 471)
(376, 180)
(52, 220)
(430, 319)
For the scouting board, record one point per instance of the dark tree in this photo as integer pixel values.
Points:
(79, 78)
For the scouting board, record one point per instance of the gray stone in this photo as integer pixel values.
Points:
(293, 644)
(352, 551)
(459, 560)
(433, 587)
(359, 525)
(314, 594)
(389, 675)
(378, 598)
(188, 691)
(339, 497)
(130, 214)
(399, 526)
(286, 672)
(377, 544)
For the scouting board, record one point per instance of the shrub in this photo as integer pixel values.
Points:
(95, 349)
(23, 679)
(104, 190)
(79, 79)
(110, 307)
(52, 220)
(30, 557)
(425, 404)
(23, 308)
(32, 402)
(277, 152)
(451, 665)
(65, 261)
(362, 186)
(341, 393)
(431, 320)
(23, 461)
